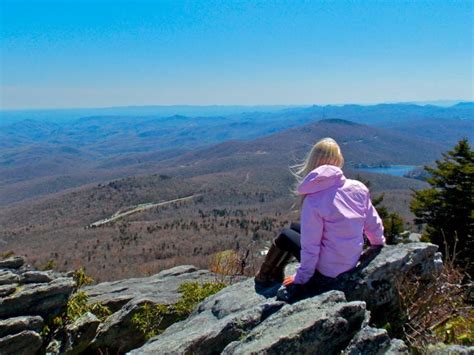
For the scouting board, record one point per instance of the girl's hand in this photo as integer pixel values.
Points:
(288, 280)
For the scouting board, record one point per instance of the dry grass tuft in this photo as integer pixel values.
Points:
(230, 265)
(439, 310)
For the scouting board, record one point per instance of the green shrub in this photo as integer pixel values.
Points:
(78, 305)
(81, 278)
(457, 330)
(193, 293)
(149, 319)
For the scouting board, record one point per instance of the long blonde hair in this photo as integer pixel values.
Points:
(325, 152)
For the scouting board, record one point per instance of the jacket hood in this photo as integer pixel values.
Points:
(321, 178)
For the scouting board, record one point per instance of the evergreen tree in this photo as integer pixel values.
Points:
(393, 223)
(447, 207)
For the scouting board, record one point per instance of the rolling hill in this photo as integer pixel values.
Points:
(242, 198)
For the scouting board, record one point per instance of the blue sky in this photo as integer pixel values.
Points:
(114, 53)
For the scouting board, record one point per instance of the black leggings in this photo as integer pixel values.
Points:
(289, 240)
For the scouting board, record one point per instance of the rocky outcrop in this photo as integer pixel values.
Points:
(8, 277)
(118, 332)
(19, 324)
(23, 343)
(397, 346)
(27, 292)
(80, 333)
(319, 325)
(45, 299)
(368, 340)
(236, 317)
(125, 298)
(374, 341)
(29, 277)
(375, 278)
(14, 262)
(240, 319)
(6, 290)
(26, 298)
(160, 288)
(76, 337)
(217, 321)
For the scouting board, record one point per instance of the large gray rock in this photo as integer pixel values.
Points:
(375, 279)
(218, 320)
(23, 343)
(414, 237)
(397, 347)
(8, 277)
(18, 324)
(372, 341)
(160, 288)
(14, 262)
(44, 299)
(80, 334)
(6, 290)
(126, 297)
(239, 311)
(322, 324)
(118, 332)
(36, 277)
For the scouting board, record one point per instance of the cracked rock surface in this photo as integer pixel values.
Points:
(239, 319)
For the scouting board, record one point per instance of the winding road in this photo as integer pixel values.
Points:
(136, 209)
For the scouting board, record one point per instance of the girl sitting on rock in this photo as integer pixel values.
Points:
(335, 214)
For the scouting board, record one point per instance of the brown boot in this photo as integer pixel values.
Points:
(278, 273)
(272, 269)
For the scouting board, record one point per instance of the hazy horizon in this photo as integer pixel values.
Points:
(439, 103)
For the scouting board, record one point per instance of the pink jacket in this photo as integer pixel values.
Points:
(335, 213)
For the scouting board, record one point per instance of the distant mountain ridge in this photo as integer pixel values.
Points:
(8, 117)
(38, 157)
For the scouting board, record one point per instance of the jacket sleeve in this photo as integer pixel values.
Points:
(311, 233)
(373, 226)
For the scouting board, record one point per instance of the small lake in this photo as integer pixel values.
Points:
(396, 170)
